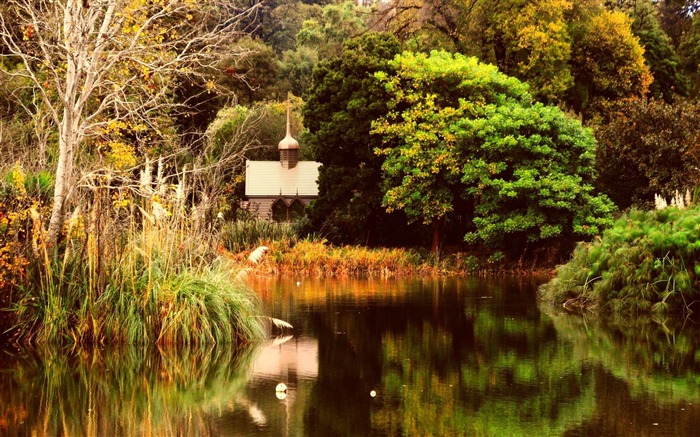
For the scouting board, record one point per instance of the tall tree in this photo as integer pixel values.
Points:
(690, 53)
(529, 40)
(339, 109)
(90, 58)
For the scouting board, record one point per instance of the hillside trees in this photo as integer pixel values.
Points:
(528, 40)
(95, 62)
(690, 53)
(459, 128)
(571, 53)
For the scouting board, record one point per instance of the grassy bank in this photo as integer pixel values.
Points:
(647, 262)
(314, 256)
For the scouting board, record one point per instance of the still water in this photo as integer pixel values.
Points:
(432, 357)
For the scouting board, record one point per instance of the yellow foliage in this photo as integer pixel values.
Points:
(17, 178)
(121, 155)
(614, 57)
(13, 264)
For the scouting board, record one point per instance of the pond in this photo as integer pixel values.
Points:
(430, 357)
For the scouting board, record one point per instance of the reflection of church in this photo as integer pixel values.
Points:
(281, 190)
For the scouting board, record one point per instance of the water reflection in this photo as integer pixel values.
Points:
(376, 357)
(129, 391)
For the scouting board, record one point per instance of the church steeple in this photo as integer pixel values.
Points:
(288, 147)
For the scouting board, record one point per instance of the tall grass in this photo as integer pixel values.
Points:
(314, 257)
(242, 235)
(141, 271)
(647, 262)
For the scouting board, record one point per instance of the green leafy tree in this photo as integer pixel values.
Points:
(250, 71)
(459, 128)
(525, 39)
(327, 33)
(339, 109)
(296, 69)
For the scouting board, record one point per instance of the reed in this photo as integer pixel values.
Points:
(145, 271)
(647, 262)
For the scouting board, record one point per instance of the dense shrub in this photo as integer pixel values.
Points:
(648, 147)
(647, 262)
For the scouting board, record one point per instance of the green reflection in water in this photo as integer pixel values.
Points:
(512, 377)
(130, 391)
(654, 357)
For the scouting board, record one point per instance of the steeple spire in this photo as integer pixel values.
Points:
(288, 147)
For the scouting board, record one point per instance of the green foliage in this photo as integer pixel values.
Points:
(136, 268)
(472, 264)
(647, 262)
(336, 24)
(646, 148)
(465, 130)
(690, 53)
(255, 130)
(250, 72)
(296, 69)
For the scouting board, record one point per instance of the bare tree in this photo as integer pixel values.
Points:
(96, 61)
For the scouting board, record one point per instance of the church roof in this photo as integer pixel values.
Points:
(269, 178)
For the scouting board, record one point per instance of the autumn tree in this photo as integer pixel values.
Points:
(87, 59)
(529, 40)
(607, 60)
(457, 128)
(659, 51)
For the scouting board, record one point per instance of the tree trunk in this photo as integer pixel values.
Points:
(64, 171)
(69, 135)
(437, 226)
